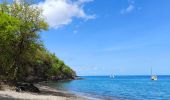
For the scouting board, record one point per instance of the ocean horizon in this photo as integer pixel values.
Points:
(122, 87)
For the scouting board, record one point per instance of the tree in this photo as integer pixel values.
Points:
(8, 25)
(27, 38)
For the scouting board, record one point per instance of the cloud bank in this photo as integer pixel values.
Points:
(61, 12)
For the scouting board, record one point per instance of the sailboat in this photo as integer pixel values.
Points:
(112, 76)
(153, 77)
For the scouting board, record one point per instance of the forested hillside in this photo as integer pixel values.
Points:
(23, 56)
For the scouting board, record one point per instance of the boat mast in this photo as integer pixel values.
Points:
(151, 71)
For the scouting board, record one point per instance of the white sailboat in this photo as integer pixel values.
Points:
(153, 77)
(112, 76)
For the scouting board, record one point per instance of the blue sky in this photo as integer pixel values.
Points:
(124, 37)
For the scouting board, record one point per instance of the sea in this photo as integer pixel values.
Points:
(118, 88)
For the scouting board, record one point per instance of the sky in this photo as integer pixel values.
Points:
(103, 37)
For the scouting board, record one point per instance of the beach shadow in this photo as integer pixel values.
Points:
(55, 93)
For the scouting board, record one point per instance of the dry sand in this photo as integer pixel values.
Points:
(47, 93)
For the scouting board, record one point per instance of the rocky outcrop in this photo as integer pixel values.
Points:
(27, 87)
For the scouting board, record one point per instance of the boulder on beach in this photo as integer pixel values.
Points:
(28, 87)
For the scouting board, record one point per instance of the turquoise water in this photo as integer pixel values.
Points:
(119, 88)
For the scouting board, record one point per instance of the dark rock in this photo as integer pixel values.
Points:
(28, 87)
(18, 89)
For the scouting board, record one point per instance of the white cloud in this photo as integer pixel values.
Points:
(84, 1)
(62, 12)
(129, 9)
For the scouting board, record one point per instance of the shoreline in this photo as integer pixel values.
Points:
(46, 93)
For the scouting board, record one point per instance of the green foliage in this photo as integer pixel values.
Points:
(8, 25)
(22, 54)
(60, 70)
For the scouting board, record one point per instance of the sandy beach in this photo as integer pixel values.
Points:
(47, 93)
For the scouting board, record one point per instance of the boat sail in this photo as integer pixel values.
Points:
(153, 77)
(112, 76)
